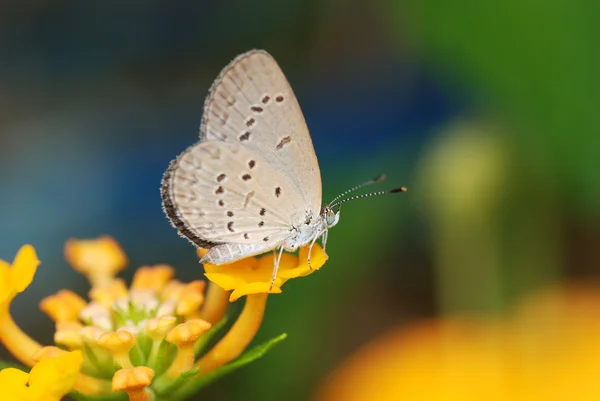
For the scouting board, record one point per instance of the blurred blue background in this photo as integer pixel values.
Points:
(487, 111)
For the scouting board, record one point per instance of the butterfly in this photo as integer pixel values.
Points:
(252, 183)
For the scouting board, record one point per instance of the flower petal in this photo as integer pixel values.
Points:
(64, 306)
(6, 291)
(13, 383)
(223, 280)
(254, 288)
(152, 277)
(318, 257)
(242, 265)
(11, 378)
(24, 267)
(56, 376)
(266, 266)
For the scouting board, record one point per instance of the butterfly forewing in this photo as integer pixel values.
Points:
(252, 104)
(253, 180)
(224, 193)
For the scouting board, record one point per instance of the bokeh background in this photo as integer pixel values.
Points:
(488, 111)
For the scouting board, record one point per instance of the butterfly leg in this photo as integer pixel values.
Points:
(324, 240)
(276, 260)
(310, 250)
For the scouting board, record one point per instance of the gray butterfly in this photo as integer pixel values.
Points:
(252, 184)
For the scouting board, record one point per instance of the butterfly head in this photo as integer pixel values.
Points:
(330, 217)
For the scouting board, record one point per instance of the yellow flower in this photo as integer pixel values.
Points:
(13, 280)
(547, 350)
(18, 277)
(253, 275)
(49, 379)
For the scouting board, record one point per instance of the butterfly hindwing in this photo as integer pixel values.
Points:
(218, 193)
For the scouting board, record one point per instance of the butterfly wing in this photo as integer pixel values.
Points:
(252, 104)
(224, 196)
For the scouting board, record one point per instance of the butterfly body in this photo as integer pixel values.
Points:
(304, 231)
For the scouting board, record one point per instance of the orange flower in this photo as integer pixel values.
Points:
(99, 259)
(253, 275)
(134, 382)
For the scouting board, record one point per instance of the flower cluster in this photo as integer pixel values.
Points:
(149, 340)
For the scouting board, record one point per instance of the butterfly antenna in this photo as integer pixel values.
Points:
(379, 178)
(389, 191)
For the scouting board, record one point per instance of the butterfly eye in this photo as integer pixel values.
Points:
(331, 218)
(307, 221)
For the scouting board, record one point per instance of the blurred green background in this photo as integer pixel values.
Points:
(488, 111)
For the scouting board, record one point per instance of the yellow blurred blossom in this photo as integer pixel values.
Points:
(64, 306)
(548, 349)
(98, 259)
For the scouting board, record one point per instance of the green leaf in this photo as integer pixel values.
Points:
(247, 357)
(164, 387)
(118, 396)
(208, 336)
(4, 365)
